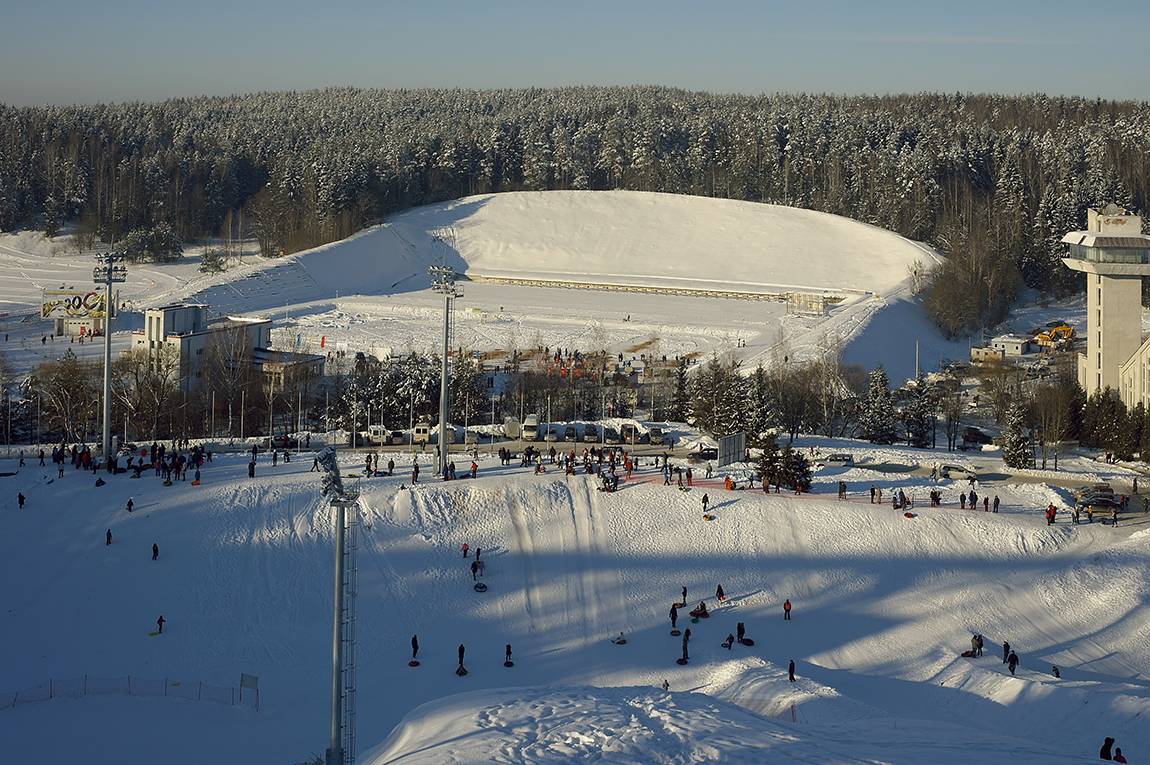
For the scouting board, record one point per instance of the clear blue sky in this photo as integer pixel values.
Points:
(66, 51)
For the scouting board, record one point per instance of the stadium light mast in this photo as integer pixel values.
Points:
(109, 270)
(341, 749)
(443, 282)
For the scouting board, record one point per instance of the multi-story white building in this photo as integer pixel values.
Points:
(183, 328)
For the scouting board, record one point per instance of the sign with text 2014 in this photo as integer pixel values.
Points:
(73, 304)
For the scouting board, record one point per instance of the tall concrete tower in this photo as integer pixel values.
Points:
(1114, 255)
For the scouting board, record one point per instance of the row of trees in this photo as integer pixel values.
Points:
(993, 180)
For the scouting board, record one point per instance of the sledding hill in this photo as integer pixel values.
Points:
(617, 237)
(884, 605)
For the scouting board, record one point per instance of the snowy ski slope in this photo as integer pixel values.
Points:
(883, 607)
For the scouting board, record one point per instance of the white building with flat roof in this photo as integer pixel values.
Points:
(182, 327)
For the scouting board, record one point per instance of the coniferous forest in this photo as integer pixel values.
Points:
(992, 181)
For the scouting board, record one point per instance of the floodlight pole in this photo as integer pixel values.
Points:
(443, 281)
(109, 270)
(335, 750)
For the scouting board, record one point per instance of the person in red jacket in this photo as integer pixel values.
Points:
(787, 610)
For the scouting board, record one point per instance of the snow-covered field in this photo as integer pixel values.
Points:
(370, 291)
(884, 605)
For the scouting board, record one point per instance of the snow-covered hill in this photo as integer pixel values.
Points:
(884, 605)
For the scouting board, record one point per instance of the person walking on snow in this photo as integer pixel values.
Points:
(474, 570)
(1005, 652)
(130, 504)
(20, 500)
(740, 631)
(684, 601)
(706, 501)
(108, 538)
(674, 616)
(1012, 662)
(787, 610)
(390, 467)
(995, 504)
(414, 647)
(160, 624)
(1118, 756)
(791, 670)
(155, 551)
(719, 594)
(462, 651)
(466, 547)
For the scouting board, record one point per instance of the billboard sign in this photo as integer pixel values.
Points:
(732, 448)
(73, 304)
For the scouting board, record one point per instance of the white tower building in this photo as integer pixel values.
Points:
(1114, 255)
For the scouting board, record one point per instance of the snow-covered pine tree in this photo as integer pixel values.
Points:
(1017, 449)
(681, 396)
(769, 462)
(879, 419)
(919, 413)
(760, 408)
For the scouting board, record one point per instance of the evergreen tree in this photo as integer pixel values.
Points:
(681, 397)
(717, 401)
(1017, 449)
(769, 467)
(919, 413)
(1130, 434)
(761, 417)
(879, 419)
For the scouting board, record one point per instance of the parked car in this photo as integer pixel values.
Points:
(957, 472)
(630, 434)
(972, 435)
(552, 434)
(611, 436)
(703, 455)
(280, 442)
(530, 429)
(656, 435)
(570, 434)
(591, 434)
(840, 458)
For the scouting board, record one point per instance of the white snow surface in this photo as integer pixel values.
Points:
(884, 605)
(370, 291)
(635, 237)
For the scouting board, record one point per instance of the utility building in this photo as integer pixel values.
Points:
(1115, 255)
